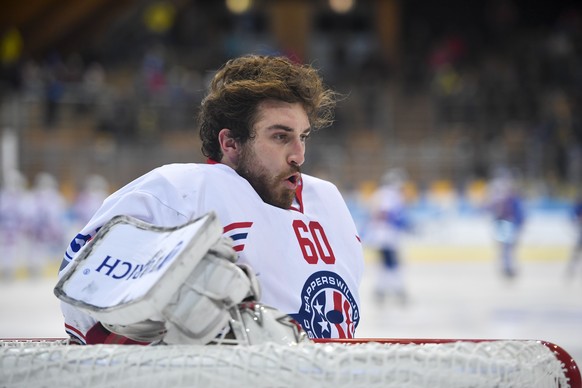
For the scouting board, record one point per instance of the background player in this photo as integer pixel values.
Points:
(388, 220)
(292, 229)
(506, 207)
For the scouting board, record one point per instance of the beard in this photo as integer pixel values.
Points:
(268, 186)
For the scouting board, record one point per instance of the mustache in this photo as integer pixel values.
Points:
(295, 168)
(292, 171)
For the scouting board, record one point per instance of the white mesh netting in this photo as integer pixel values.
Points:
(455, 364)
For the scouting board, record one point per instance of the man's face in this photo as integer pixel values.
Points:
(271, 160)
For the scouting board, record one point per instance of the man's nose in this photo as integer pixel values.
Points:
(297, 154)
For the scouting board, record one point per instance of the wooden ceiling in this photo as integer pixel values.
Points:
(66, 25)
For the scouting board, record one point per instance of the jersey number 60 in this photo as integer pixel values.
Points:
(313, 242)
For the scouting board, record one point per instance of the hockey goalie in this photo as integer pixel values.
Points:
(179, 285)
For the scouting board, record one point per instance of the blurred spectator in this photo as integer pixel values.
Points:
(153, 70)
(11, 44)
(560, 135)
(506, 207)
(46, 224)
(32, 81)
(54, 90)
(93, 86)
(388, 219)
(13, 203)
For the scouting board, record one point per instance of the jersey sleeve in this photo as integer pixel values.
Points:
(151, 199)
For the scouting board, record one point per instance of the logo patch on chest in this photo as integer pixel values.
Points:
(328, 308)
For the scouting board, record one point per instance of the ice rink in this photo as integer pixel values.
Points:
(454, 285)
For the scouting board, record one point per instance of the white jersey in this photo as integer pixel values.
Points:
(308, 260)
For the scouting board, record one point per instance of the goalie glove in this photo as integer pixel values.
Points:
(150, 283)
(199, 310)
(201, 306)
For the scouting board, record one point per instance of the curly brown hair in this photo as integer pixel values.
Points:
(242, 83)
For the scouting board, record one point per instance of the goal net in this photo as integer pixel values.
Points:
(335, 363)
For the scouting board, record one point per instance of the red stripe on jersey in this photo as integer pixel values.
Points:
(75, 331)
(349, 322)
(236, 225)
(337, 305)
(100, 335)
(298, 196)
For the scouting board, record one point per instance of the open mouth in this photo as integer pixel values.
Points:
(293, 179)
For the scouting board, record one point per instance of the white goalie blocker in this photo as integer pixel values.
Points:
(177, 285)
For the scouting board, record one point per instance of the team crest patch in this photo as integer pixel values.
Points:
(328, 308)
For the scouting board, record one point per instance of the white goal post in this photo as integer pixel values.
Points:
(321, 363)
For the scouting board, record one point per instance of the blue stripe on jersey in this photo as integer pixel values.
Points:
(239, 236)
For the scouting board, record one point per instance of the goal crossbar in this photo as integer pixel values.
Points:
(570, 367)
(365, 362)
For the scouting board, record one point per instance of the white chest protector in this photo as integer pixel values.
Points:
(308, 261)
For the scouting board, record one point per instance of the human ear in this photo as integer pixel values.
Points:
(229, 147)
